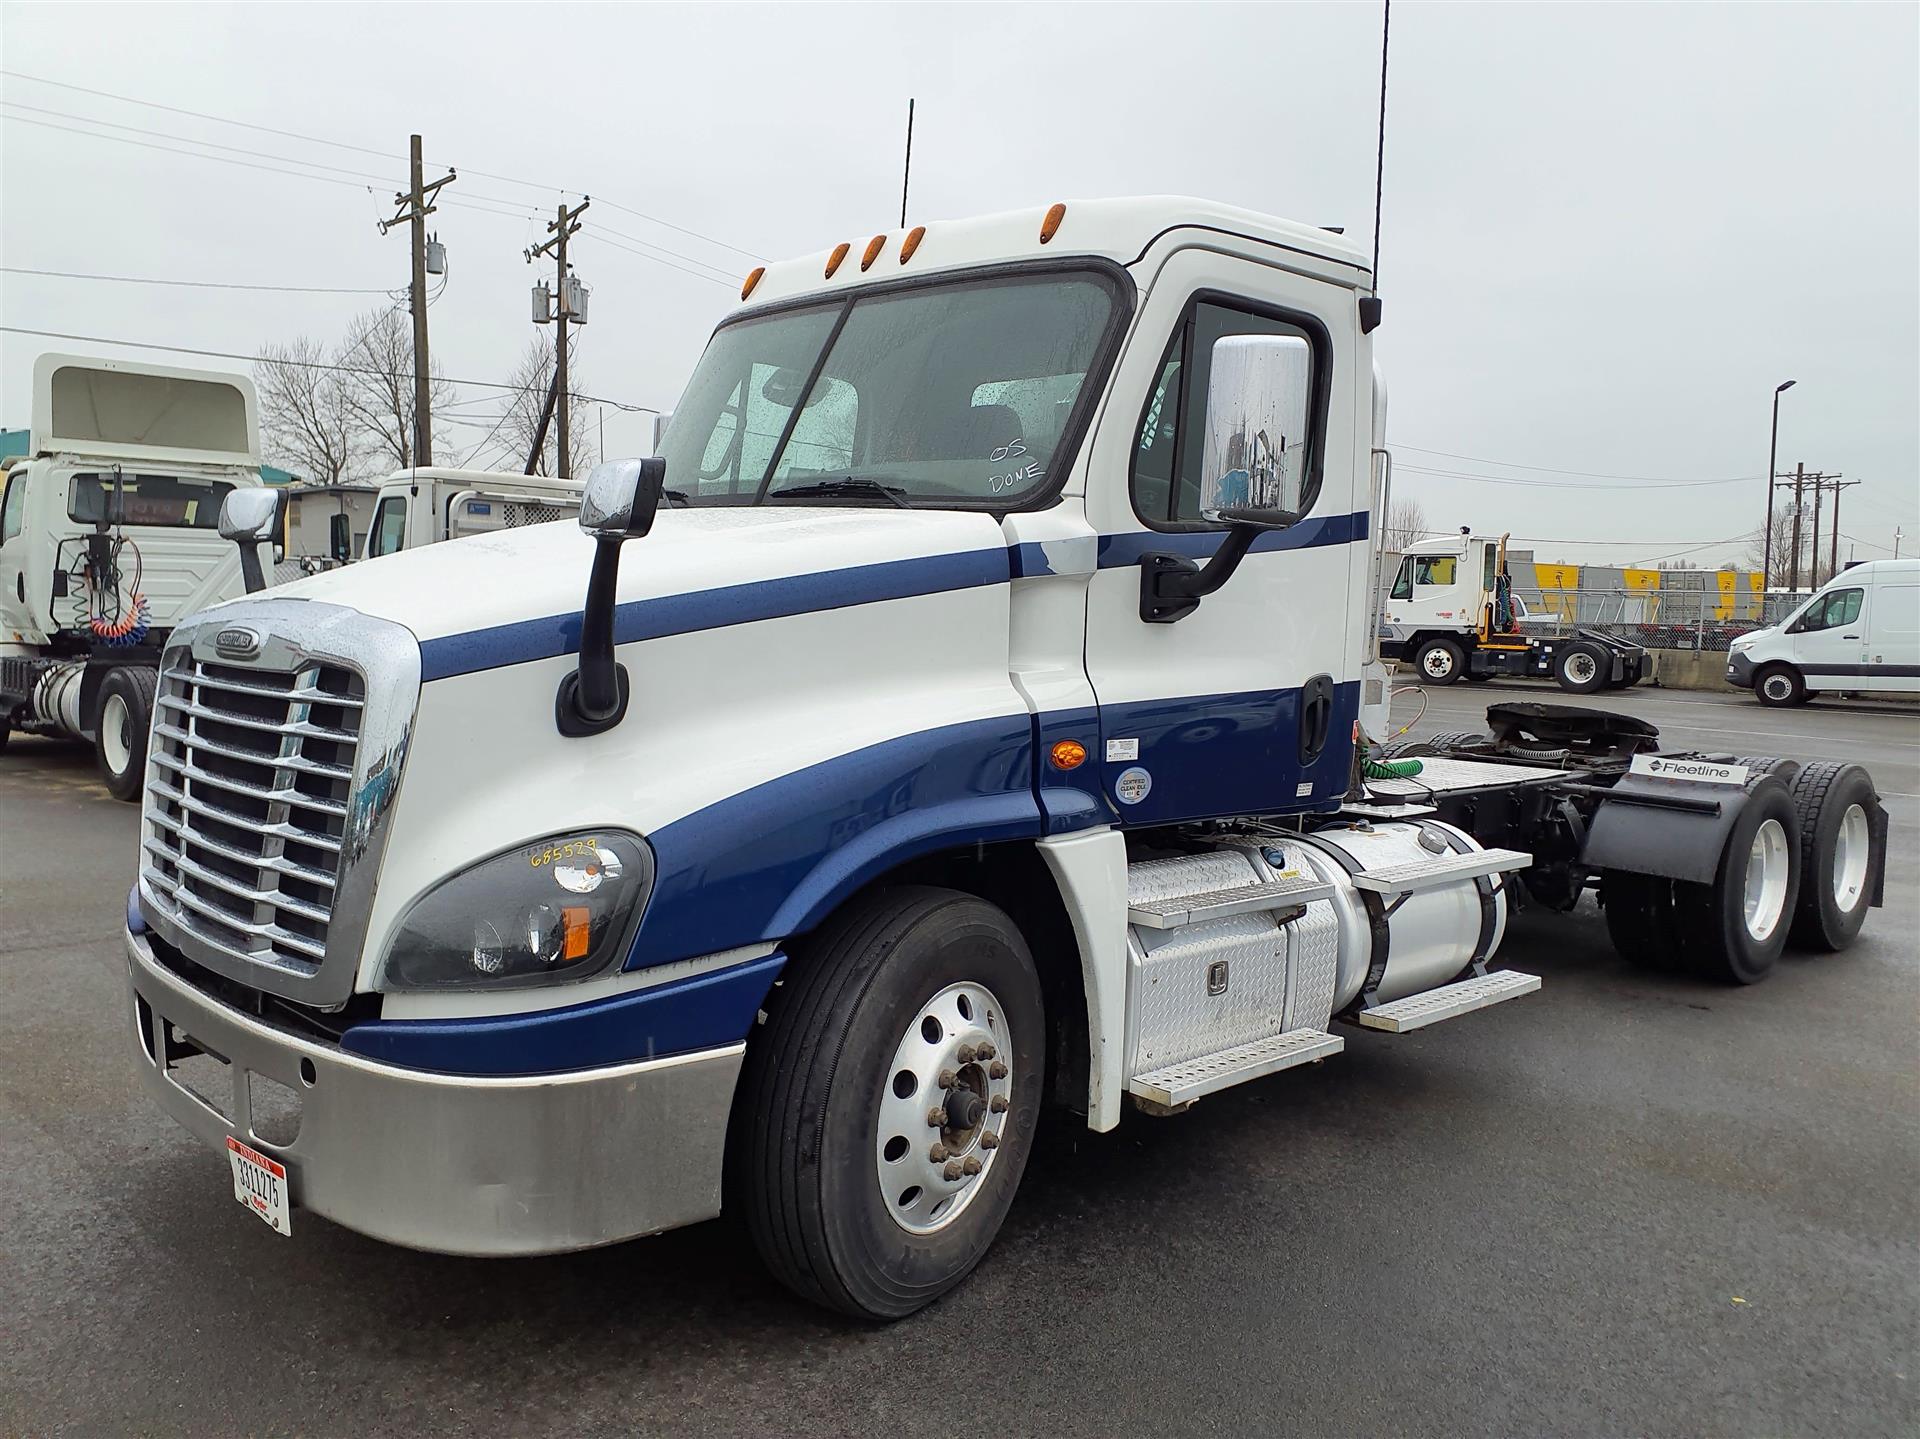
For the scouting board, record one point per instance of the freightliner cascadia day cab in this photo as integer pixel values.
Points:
(1859, 633)
(109, 536)
(965, 711)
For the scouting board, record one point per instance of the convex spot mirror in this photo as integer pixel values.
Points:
(622, 497)
(246, 515)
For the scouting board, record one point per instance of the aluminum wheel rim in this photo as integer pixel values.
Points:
(1581, 668)
(1437, 663)
(1850, 851)
(1776, 687)
(1766, 890)
(116, 736)
(929, 1171)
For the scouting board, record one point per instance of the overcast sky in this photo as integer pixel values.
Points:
(1610, 230)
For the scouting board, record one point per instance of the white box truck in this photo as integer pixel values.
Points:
(931, 732)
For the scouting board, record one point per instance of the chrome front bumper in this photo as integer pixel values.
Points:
(452, 1163)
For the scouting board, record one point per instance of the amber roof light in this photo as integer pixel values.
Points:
(752, 280)
(1052, 223)
(833, 260)
(874, 247)
(912, 242)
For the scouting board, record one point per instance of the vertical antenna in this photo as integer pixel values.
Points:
(1370, 306)
(906, 171)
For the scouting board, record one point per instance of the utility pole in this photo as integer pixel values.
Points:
(1798, 482)
(566, 223)
(1833, 556)
(1793, 568)
(415, 205)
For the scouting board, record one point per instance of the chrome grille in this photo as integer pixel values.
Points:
(249, 786)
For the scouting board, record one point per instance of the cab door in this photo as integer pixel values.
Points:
(16, 614)
(1830, 640)
(1238, 389)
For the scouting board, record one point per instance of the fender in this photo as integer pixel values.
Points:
(1673, 828)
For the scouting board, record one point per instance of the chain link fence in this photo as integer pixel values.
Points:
(1691, 618)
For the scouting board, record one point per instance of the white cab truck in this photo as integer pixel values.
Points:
(433, 503)
(1451, 614)
(109, 536)
(1858, 634)
(964, 712)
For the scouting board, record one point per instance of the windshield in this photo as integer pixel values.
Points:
(172, 501)
(959, 393)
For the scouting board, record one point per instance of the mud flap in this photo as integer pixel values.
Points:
(1673, 828)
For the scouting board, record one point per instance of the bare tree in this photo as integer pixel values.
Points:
(532, 379)
(378, 356)
(1778, 564)
(1406, 522)
(304, 413)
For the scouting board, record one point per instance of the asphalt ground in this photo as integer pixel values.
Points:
(1629, 1204)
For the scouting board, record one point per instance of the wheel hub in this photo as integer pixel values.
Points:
(1766, 889)
(943, 1107)
(1851, 848)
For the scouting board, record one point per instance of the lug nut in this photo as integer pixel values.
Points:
(998, 1104)
(952, 1171)
(937, 1153)
(947, 1079)
(989, 1140)
(965, 1054)
(969, 1165)
(986, 1051)
(937, 1118)
(996, 1070)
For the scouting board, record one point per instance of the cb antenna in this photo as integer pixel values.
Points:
(906, 170)
(1370, 306)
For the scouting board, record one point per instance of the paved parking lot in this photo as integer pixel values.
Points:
(1631, 1204)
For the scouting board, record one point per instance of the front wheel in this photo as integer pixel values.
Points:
(1440, 662)
(120, 728)
(888, 1103)
(1779, 685)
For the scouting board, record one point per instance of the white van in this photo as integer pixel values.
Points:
(1860, 632)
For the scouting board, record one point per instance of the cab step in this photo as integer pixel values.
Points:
(1182, 1083)
(1441, 870)
(1450, 1001)
(1219, 903)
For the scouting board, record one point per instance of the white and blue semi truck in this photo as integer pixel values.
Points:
(921, 738)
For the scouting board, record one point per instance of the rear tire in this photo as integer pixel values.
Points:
(120, 728)
(1641, 921)
(1459, 739)
(1778, 686)
(1735, 927)
(873, 1006)
(1581, 668)
(1439, 662)
(1835, 804)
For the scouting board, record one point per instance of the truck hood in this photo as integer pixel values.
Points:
(539, 573)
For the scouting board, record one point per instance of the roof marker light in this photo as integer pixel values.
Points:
(1051, 224)
(752, 280)
(912, 242)
(833, 260)
(874, 247)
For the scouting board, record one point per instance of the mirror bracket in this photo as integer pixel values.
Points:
(1172, 586)
(619, 504)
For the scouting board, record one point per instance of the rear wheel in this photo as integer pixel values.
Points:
(1440, 662)
(888, 1104)
(1581, 668)
(120, 728)
(1779, 685)
(1735, 927)
(1834, 804)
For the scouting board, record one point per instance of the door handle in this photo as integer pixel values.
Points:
(1849, 637)
(1316, 716)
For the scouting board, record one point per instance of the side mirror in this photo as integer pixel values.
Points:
(1172, 586)
(246, 518)
(340, 538)
(619, 504)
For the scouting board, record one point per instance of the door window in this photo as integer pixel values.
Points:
(389, 527)
(1842, 607)
(1435, 571)
(1234, 420)
(12, 510)
(1403, 582)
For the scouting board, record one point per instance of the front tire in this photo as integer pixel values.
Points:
(1440, 662)
(1778, 686)
(121, 726)
(854, 1197)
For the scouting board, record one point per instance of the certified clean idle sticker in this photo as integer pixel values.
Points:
(1701, 771)
(1132, 785)
(1122, 751)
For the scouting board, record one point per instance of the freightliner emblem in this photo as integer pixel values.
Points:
(237, 642)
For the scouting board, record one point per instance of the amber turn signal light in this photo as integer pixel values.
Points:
(1068, 754)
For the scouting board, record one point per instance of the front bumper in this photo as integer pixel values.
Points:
(1740, 671)
(457, 1164)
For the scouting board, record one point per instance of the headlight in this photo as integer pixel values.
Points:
(563, 908)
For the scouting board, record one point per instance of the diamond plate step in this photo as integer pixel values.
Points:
(1441, 869)
(1187, 1081)
(1450, 1001)
(1219, 903)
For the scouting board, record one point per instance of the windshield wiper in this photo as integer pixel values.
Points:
(850, 486)
(675, 497)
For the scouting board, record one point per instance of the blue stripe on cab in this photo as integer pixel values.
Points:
(1118, 551)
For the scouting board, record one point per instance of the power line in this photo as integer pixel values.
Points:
(685, 270)
(359, 149)
(307, 365)
(1587, 474)
(190, 154)
(190, 284)
(1575, 485)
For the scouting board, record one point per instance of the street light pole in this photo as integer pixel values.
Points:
(1773, 452)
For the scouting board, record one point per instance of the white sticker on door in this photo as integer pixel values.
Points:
(1119, 751)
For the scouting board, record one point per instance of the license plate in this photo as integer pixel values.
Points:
(260, 1184)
